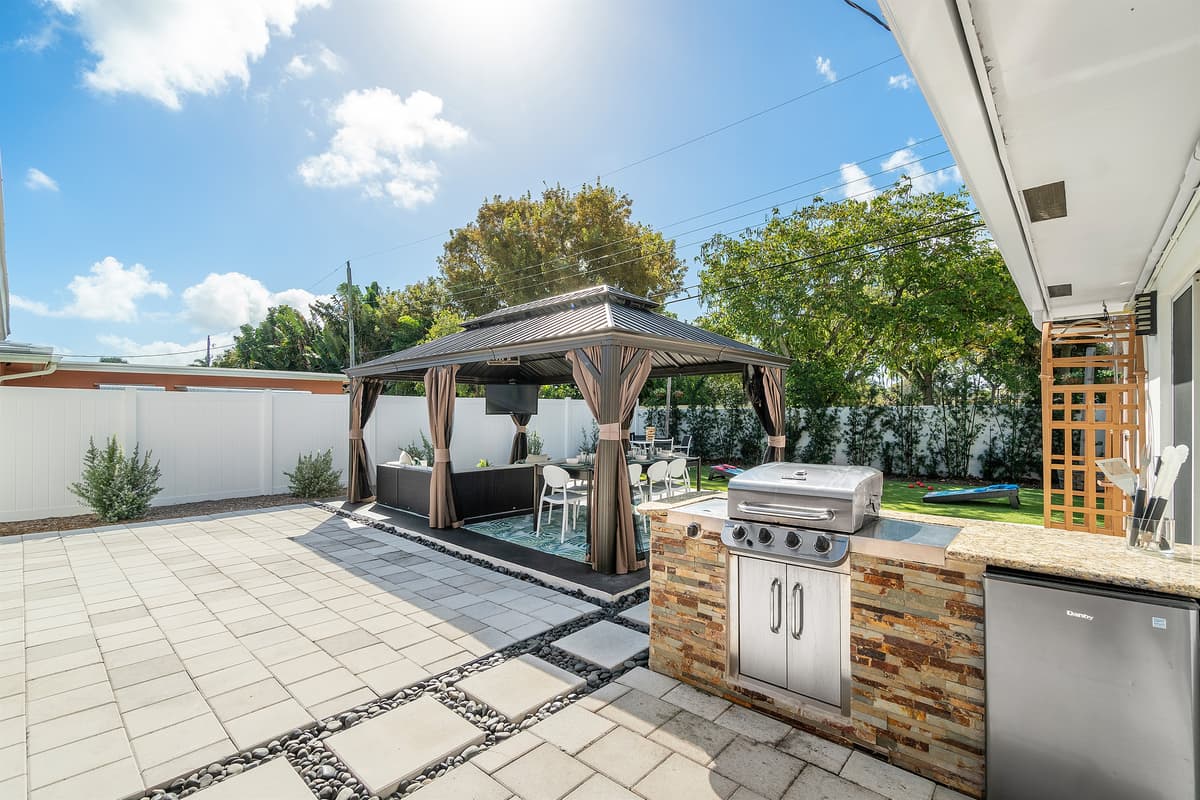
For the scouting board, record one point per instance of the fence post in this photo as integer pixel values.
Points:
(266, 443)
(129, 432)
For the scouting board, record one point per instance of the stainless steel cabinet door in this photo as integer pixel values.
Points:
(814, 634)
(762, 653)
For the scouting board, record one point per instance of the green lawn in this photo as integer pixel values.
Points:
(898, 497)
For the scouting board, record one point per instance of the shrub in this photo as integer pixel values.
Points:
(905, 421)
(535, 443)
(1014, 452)
(824, 431)
(315, 476)
(115, 487)
(424, 450)
(863, 437)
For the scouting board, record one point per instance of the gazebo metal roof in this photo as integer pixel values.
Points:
(526, 343)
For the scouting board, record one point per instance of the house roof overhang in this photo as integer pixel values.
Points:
(1099, 96)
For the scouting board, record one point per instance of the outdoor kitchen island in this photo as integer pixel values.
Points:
(916, 625)
(915, 641)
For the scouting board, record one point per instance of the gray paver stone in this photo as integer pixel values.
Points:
(604, 643)
(520, 685)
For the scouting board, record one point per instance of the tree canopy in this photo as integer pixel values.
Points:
(905, 284)
(526, 248)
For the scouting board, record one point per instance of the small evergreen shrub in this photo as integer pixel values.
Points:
(423, 451)
(863, 436)
(536, 444)
(115, 487)
(1014, 453)
(824, 431)
(315, 476)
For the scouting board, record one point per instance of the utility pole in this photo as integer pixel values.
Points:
(350, 309)
(208, 352)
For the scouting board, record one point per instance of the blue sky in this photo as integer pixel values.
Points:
(171, 168)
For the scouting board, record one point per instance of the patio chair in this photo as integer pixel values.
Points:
(635, 481)
(656, 473)
(556, 493)
(664, 444)
(685, 445)
(677, 474)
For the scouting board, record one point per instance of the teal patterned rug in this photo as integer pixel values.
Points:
(520, 530)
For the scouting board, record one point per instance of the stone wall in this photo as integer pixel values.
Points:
(916, 642)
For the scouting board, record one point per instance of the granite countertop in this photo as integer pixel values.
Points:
(1071, 554)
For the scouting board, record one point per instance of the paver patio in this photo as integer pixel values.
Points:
(130, 655)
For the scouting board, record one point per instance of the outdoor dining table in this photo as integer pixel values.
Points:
(584, 471)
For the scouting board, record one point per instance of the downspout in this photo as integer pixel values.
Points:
(50, 367)
(1185, 204)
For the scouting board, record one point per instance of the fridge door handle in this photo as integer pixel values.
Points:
(797, 610)
(776, 601)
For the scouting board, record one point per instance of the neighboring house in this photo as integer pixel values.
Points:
(1089, 110)
(93, 375)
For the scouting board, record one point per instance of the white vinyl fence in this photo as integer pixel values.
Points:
(216, 445)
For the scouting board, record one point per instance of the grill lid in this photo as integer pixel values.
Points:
(816, 496)
(830, 481)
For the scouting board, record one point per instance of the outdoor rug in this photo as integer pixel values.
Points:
(520, 529)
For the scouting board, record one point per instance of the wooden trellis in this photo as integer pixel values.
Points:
(1093, 390)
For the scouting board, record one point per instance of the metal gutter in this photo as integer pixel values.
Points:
(51, 366)
(1182, 209)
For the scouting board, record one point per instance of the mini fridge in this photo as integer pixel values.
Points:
(1091, 691)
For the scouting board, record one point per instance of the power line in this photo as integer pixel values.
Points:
(708, 134)
(152, 355)
(755, 115)
(460, 294)
(805, 259)
(526, 282)
(877, 20)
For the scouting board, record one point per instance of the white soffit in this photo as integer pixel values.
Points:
(1101, 95)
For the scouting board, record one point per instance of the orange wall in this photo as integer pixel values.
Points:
(67, 378)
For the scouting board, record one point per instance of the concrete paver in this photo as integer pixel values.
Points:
(520, 685)
(605, 644)
(396, 745)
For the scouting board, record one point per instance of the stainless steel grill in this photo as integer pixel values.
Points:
(788, 533)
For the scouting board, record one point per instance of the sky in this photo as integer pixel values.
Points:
(172, 168)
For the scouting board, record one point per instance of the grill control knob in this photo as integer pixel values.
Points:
(739, 533)
(793, 540)
(822, 544)
(765, 536)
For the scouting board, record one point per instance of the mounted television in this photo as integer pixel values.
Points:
(511, 398)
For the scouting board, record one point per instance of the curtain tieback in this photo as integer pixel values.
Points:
(776, 441)
(441, 455)
(520, 429)
(610, 431)
(356, 436)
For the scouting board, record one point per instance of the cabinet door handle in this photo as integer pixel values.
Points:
(797, 610)
(776, 600)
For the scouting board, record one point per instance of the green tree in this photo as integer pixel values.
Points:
(525, 248)
(284, 340)
(904, 283)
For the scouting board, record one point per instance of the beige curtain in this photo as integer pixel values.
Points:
(610, 378)
(764, 388)
(439, 398)
(360, 484)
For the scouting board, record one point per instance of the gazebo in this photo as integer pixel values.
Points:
(605, 341)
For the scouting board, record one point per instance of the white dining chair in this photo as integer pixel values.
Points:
(555, 492)
(677, 474)
(656, 473)
(635, 481)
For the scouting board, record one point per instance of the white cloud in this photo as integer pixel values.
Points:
(825, 69)
(41, 39)
(32, 306)
(304, 66)
(37, 180)
(109, 292)
(379, 143)
(161, 49)
(182, 353)
(856, 184)
(229, 300)
(906, 162)
(901, 81)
